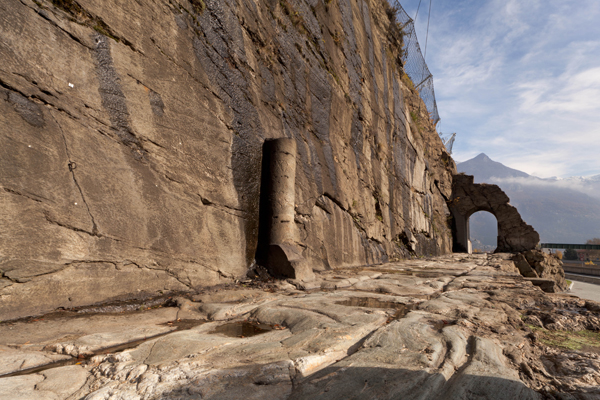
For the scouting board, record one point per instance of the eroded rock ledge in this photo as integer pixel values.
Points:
(446, 327)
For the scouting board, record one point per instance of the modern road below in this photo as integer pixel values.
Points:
(587, 291)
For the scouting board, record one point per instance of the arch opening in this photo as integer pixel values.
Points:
(483, 232)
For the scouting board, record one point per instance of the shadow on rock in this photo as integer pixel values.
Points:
(348, 383)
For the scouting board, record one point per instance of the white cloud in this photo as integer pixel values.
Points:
(518, 80)
(585, 186)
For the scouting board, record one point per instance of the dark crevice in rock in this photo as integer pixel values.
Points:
(170, 256)
(446, 286)
(34, 98)
(335, 201)
(172, 179)
(4, 276)
(223, 207)
(44, 14)
(144, 139)
(72, 166)
(28, 110)
(81, 16)
(112, 262)
(12, 191)
(73, 228)
(322, 207)
(30, 277)
(165, 270)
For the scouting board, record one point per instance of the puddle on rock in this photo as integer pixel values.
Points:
(241, 329)
(371, 302)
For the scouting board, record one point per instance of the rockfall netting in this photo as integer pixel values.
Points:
(414, 62)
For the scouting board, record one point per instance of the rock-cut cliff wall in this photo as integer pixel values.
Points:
(132, 136)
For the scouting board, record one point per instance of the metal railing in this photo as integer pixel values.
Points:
(570, 246)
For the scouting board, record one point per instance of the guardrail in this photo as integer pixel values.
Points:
(570, 246)
(582, 269)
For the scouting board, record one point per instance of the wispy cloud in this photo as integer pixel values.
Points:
(518, 80)
(587, 187)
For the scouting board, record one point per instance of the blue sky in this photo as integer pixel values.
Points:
(518, 80)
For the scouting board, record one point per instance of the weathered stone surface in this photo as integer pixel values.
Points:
(53, 384)
(547, 266)
(12, 360)
(514, 235)
(524, 267)
(26, 344)
(131, 144)
(477, 334)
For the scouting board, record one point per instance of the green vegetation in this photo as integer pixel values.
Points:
(571, 340)
(408, 82)
(82, 17)
(199, 6)
(69, 6)
(103, 29)
(294, 16)
(570, 254)
(414, 116)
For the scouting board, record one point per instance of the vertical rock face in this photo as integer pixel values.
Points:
(131, 139)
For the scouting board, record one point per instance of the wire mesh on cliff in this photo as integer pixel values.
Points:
(414, 62)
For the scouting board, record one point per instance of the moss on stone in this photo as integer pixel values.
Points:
(199, 6)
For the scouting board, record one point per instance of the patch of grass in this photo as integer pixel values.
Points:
(103, 29)
(294, 16)
(568, 282)
(571, 340)
(414, 116)
(82, 17)
(337, 39)
(69, 6)
(199, 6)
(408, 82)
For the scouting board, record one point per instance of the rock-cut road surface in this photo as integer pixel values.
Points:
(451, 327)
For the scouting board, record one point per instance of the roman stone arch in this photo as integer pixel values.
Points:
(514, 235)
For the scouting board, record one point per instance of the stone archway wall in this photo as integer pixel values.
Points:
(514, 235)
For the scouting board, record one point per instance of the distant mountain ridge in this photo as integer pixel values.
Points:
(486, 168)
(561, 210)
